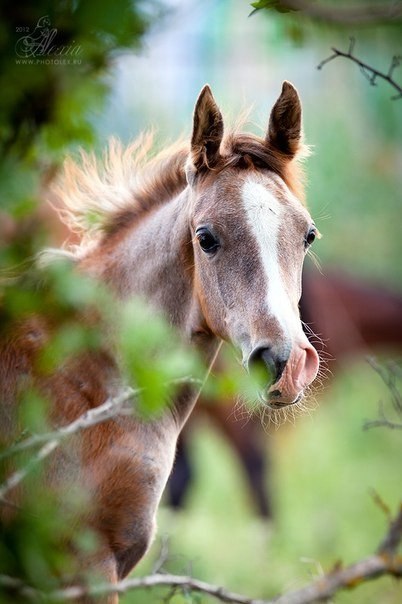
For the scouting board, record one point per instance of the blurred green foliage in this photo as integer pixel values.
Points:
(52, 87)
(49, 94)
(33, 540)
(156, 361)
(48, 100)
(268, 4)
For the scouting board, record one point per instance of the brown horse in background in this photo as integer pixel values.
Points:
(351, 317)
(213, 236)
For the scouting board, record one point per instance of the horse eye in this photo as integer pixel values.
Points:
(311, 235)
(208, 242)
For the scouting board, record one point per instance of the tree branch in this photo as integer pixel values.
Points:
(369, 72)
(385, 561)
(363, 14)
(392, 540)
(51, 440)
(90, 418)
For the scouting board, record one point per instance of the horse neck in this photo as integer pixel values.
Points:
(153, 260)
(145, 261)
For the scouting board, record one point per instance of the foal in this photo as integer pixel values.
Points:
(213, 236)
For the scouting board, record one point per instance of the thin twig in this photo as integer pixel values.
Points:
(368, 71)
(90, 418)
(51, 440)
(389, 375)
(17, 477)
(380, 503)
(381, 423)
(106, 411)
(163, 556)
(16, 585)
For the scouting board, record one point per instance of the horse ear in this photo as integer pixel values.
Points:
(285, 124)
(207, 131)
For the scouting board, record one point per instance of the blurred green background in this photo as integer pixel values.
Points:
(325, 464)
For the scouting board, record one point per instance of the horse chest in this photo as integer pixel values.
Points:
(128, 478)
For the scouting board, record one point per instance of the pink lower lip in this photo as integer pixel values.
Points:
(275, 405)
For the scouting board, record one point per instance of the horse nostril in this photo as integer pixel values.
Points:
(267, 359)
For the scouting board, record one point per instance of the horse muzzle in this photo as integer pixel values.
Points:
(288, 374)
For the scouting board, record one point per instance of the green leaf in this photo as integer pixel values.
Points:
(271, 4)
(154, 357)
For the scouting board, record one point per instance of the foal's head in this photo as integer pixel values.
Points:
(250, 236)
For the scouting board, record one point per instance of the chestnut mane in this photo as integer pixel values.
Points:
(102, 195)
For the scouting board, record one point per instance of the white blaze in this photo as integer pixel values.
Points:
(264, 214)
